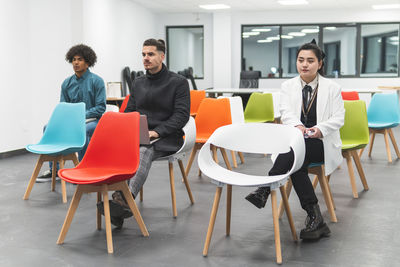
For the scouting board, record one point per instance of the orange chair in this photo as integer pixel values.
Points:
(111, 158)
(351, 95)
(124, 104)
(196, 96)
(212, 114)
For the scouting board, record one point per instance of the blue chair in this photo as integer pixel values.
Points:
(383, 114)
(65, 135)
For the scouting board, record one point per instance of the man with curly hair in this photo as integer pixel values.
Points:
(83, 86)
(164, 97)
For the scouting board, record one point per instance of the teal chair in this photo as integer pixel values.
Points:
(65, 135)
(260, 108)
(383, 114)
(354, 135)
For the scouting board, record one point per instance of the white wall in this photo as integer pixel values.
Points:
(35, 36)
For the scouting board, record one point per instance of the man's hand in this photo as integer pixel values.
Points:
(153, 134)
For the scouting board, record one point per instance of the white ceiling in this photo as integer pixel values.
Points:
(174, 6)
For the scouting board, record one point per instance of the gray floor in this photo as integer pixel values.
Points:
(367, 232)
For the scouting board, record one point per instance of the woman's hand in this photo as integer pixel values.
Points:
(315, 132)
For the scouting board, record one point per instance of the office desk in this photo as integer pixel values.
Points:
(115, 100)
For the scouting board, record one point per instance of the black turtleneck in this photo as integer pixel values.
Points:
(165, 98)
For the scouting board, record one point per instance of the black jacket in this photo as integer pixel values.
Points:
(164, 98)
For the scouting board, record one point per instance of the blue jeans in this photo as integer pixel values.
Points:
(90, 127)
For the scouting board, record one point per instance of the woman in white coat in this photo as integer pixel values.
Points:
(314, 105)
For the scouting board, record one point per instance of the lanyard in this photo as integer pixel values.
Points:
(305, 112)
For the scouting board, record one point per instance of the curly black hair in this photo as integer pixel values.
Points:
(84, 51)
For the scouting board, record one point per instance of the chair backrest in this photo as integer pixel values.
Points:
(355, 128)
(66, 125)
(126, 80)
(264, 138)
(124, 104)
(249, 79)
(384, 108)
(212, 114)
(350, 95)
(260, 108)
(236, 104)
(114, 144)
(113, 108)
(189, 131)
(196, 96)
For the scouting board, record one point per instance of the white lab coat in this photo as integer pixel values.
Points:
(330, 115)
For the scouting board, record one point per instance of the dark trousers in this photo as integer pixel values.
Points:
(301, 182)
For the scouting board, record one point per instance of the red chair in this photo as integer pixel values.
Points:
(111, 158)
(350, 95)
(124, 104)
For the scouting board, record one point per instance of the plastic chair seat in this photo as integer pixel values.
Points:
(382, 125)
(53, 149)
(315, 164)
(352, 145)
(95, 176)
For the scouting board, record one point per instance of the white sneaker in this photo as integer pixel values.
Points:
(45, 177)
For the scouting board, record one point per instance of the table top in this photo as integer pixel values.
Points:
(115, 98)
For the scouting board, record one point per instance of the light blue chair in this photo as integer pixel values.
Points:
(65, 135)
(383, 114)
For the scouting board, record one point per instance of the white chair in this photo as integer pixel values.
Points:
(190, 139)
(113, 108)
(251, 138)
(237, 116)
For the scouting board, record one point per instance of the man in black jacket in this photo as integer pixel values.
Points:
(164, 97)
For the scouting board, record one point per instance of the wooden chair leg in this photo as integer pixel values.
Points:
(350, 169)
(325, 190)
(276, 228)
(107, 217)
(63, 184)
(191, 159)
(371, 144)
(70, 214)
(35, 173)
(386, 135)
(214, 151)
(234, 159)
(98, 214)
(228, 208)
(75, 159)
(288, 212)
(172, 185)
(226, 160)
(53, 176)
(394, 142)
(211, 224)
(185, 180)
(328, 178)
(132, 205)
(315, 182)
(288, 189)
(241, 157)
(360, 169)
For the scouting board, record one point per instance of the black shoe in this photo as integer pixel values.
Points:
(315, 225)
(259, 197)
(117, 221)
(45, 177)
(116, 210)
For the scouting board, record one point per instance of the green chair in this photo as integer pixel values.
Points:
(260, 108)
(354, 135)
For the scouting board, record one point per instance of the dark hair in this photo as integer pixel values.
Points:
(317, 52)
(159, 44)
(84, 51)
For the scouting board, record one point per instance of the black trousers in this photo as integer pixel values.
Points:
(301, 182)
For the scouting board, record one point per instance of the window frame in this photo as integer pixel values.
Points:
(320, 42)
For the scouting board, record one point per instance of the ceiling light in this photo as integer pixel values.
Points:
(330, 28)
(390, 6)
(261, 30)
(214, 7)
(286, 36)
(293, 2)
(245, 36)
(251, 33)
(310, 30)
(264, 41)
(296, 33)
(273, 38)
(394, 38)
